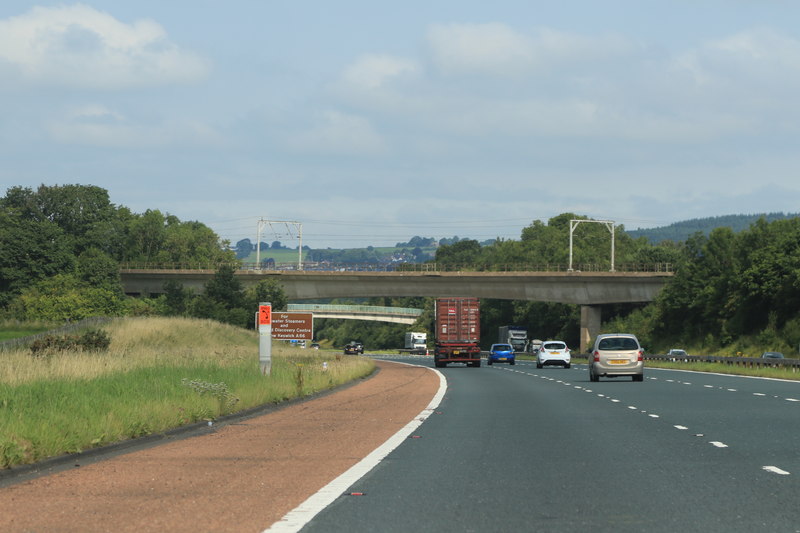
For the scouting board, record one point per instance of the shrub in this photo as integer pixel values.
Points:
(50, 344)
(219, 391)
(11, 452)
(93, 340)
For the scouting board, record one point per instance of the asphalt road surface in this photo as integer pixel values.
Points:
(516, 448)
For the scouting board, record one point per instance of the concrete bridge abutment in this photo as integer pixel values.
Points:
(590, 325)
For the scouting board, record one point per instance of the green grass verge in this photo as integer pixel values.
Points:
(15, 330)
(735, 370)
(64, 412)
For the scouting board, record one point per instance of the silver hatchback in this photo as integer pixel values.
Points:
(616, 354)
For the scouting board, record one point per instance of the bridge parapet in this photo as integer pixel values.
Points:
(405, 267)
(583, 288)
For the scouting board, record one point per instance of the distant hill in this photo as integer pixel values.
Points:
(680, 231)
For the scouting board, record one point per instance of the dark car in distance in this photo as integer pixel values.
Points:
(354, 348)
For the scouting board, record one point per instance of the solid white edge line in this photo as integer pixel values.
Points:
(720, 374)
(298, 517)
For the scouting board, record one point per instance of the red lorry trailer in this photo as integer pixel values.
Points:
(458, 332)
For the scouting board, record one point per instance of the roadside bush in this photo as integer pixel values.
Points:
(51, 344)
(11, 452)
(219, 391)
(791, 332)
(93, 340)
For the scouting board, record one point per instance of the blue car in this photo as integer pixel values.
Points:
(501, 353)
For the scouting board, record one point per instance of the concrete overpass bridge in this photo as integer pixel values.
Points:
(396, 315)
(590, 290)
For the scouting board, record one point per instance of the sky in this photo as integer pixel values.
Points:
(367, 123)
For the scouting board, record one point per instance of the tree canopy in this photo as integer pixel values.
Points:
(75, 232)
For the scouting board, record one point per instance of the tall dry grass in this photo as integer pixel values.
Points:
(158, 373)
(138, 343)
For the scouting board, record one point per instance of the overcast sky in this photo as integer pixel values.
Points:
(371, 122)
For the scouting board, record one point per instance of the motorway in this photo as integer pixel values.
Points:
(515, 448)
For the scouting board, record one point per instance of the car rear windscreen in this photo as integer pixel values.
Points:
(554, 346)
(618, 343)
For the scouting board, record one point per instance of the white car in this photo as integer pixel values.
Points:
(553, 353)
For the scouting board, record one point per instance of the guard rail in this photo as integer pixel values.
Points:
(749, 362)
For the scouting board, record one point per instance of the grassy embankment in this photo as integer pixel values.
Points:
(158, 374)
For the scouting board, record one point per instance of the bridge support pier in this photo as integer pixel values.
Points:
(590, 325)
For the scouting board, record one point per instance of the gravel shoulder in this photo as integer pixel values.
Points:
(240, 477)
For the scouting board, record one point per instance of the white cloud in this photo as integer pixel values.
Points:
(497, 49)
(755, 57)
(79, 46)
(480, 48)
(549, 83)
(374, 71)
(340, 134)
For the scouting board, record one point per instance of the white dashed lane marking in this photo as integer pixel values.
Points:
(716, 444)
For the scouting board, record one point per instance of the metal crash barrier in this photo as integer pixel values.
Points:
(748, 362)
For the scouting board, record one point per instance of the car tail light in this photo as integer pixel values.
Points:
(596, 355)
(641, 356)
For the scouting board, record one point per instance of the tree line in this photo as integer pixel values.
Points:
(61, 248)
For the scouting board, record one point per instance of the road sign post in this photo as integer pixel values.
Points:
(265, 337)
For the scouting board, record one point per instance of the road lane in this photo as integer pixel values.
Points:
(520, 448)
(754, 415)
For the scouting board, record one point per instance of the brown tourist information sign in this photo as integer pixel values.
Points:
(289, 325)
